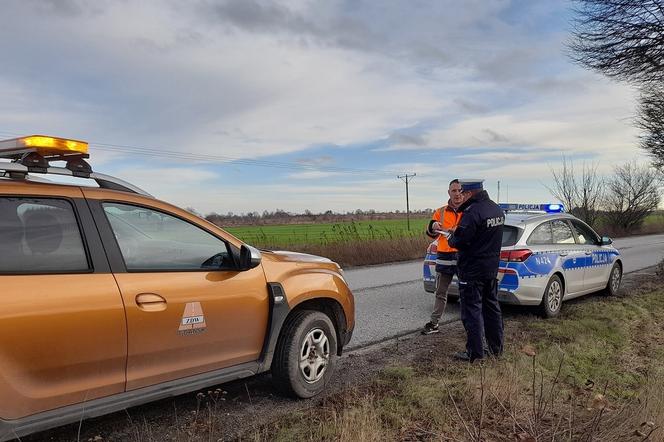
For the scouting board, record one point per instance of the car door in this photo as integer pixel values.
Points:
(62, 322)
(554, 246)
(598, 260)
(573, 258)
(189, 310)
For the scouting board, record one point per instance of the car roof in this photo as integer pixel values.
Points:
(520, 218)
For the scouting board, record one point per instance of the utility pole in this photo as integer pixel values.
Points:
(405, 178)
(498, 198)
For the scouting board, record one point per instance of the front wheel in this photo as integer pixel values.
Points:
(306, 354)
(553, 297)
(615, 277)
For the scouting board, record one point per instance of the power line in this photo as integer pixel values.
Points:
(173, 154)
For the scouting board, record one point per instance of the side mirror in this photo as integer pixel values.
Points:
(606, 241)
(250, 257)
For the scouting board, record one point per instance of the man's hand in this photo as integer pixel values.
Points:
(436, 226)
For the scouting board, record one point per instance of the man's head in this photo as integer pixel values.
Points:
(454, 191)
(470, 187)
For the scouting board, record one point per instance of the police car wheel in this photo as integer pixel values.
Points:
(615, 277)
(305, 355)
(553, 297)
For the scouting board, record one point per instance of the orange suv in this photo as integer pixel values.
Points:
(111, 298)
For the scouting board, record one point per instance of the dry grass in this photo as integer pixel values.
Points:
(593, 375)
(366, 252)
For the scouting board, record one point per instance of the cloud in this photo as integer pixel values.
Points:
(434, 87)
(324, 160)
(404, 139)
(313, 175)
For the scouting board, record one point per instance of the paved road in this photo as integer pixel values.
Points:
(390, 300)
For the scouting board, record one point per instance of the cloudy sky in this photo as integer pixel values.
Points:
(312, 104)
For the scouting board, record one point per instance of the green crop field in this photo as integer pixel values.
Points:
(325, 233)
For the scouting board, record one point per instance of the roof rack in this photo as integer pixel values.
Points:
(20, 171)
(33, 154)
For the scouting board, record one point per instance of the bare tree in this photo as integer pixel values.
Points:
(581, 195)
(564, 187)
(623, 39)
(651, 122)
(632, 194)
(590, 194)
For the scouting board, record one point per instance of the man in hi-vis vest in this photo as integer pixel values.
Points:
(444, 219)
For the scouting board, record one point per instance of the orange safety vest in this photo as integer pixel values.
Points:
(450, 218)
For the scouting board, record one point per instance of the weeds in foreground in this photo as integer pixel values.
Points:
(593, 375)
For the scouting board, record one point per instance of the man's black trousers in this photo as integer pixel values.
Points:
(481, 316)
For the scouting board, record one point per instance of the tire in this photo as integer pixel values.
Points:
(615, 277)
(306, 332)
(552, 300)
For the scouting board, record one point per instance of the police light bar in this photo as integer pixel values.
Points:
(44, 145)
(547, 208)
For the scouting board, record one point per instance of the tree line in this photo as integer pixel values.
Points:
(280, 216)
(623, 200)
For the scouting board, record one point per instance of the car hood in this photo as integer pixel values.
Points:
(284, 255)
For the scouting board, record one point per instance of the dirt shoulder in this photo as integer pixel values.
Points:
(585, 375)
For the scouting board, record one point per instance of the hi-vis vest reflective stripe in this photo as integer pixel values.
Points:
(450, 218)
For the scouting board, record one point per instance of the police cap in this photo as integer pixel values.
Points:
(471, 184)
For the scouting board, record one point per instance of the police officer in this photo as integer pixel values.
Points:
(478, 238)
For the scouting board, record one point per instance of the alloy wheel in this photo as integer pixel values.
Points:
(314, 355)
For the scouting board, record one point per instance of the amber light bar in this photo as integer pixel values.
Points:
(44, 145)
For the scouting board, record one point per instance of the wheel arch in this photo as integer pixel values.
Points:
(620, 263)
(560, 275)
(333, 309)
(281, 312)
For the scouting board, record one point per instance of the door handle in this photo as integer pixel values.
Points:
(562, 254)
(589, 253)
(150, 302)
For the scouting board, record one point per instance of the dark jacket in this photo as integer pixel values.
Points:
(479, 238)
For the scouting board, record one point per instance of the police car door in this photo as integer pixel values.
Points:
(572, 257)
(598, 261)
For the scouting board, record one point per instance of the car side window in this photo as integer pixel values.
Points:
(584, 234)
(541, 235)
(151, 240)
(40, 235)
(562, 233)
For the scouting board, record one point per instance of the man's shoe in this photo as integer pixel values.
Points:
(464, 356)
(430, 328)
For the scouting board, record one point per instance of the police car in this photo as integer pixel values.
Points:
(547, 257)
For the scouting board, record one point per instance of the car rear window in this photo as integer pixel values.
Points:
(40, 236)
(510, 235)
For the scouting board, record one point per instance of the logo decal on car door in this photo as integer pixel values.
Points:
(193, 320)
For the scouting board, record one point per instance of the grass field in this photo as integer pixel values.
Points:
(390, 229)
(327, 233)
